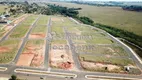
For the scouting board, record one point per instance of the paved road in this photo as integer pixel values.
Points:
(74, 54)
(47, 46)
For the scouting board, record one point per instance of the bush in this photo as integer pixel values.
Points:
(86, 20)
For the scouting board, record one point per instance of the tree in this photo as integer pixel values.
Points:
(86, 20)
(13, 77)
(13, 11)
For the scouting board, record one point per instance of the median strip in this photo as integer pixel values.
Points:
(38, 72)
(109, 77)
(3, 68)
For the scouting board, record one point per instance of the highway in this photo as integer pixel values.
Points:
(80, 73)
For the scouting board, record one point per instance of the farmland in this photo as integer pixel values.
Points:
(112, 16)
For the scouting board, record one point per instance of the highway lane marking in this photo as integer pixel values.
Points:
(109, 77)
(3, 68)
(38, 72)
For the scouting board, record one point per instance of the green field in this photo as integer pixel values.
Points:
(58, 42)
(57, 25)
(100, 41)
(43, 20)
(102, 50)
(22, 29)
(35, 44)
(112, 16)
(102, 59)
(2, 8)
(41, 26)
(8, 50)
(39, 29)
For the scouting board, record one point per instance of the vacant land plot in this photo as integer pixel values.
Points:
(110, 60)
(104, 54)
(43, 20)
(40, 30)
(5, 28)
(103, 50)
(33, 54)
(113, 16)
(8, 50)
(100, 41)
(109, 64)
(57, 26)
(60, 55)
(21, 30)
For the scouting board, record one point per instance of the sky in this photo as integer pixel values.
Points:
(113, 0)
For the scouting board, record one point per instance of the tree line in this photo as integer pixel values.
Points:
(132, 8)
(110, 3)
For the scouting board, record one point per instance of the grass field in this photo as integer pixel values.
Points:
(2, 8)
(8, 49)
(34, 43)
(112, 16)
(59, 42)
(22, 29)
(116, 61)
(57, 27)
(100, 41)
(43, 20)
(40, 30)
(103, 50)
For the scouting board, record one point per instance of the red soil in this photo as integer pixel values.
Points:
(33, 56)
(38, 35)
(25, 59)
(65, 65)
(30, 48)
(4, 49)
(37, 60)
